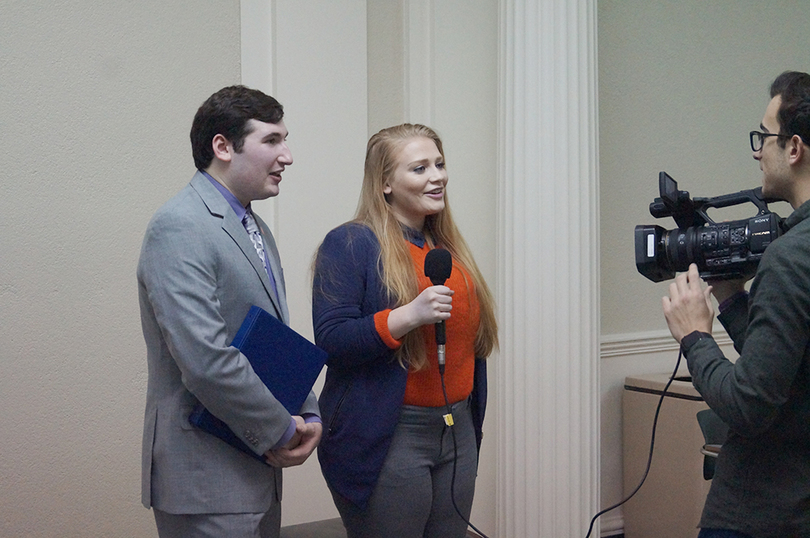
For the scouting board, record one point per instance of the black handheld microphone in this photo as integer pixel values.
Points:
(438, 266)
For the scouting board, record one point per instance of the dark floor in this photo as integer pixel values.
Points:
(328, 528)
(333, 528)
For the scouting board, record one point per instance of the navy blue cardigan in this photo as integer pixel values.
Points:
(365, 386)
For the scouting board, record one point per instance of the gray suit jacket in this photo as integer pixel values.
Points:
(198, 275)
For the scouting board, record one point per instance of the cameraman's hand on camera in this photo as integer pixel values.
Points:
(689, 307)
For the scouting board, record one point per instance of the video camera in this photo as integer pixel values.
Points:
(721, 251)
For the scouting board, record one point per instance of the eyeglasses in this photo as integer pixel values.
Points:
(758, 138)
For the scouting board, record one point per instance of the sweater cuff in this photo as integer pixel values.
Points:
(381, 324)
(691, 339)
(740, 295)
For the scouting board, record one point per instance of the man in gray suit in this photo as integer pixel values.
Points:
(205, 260)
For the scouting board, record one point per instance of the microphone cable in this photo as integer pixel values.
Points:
(652, 445)
(448, 420)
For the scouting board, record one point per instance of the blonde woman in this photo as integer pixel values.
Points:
(387, 454)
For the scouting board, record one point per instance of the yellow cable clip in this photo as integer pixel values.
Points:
(448, 419)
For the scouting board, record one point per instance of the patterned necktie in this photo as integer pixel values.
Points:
(256, 238)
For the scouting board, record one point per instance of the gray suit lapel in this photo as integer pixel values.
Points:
(231, 225)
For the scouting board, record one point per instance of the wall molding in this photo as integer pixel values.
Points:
(612, 525)
(640, 343)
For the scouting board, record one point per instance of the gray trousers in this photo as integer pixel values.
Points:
(219, 525)
(412, 496)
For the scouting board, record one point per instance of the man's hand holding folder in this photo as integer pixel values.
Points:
(298, 449)
(288, 364)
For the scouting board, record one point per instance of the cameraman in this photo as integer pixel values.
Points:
(761, 486)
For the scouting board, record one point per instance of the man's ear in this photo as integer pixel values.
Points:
(223, 150)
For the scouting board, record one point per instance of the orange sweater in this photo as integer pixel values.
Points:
(424, 387)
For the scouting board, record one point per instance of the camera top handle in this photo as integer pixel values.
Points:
(687, 212)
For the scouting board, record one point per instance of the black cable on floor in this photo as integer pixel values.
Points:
(652, 445)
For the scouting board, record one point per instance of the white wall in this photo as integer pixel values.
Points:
(681, 83)
(96, 102)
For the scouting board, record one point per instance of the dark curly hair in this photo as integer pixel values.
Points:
(227, 113)
(794, 112)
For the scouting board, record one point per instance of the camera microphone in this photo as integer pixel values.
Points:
(438, 266)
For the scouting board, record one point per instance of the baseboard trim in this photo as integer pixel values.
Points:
(612, 525)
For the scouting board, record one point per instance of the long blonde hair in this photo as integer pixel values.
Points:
(396, 264)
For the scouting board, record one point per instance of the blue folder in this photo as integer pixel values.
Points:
(284, 360)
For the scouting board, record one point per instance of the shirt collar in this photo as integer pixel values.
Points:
(801, 213)
(237, 207)
(414, 236)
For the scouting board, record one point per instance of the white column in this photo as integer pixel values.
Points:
(547, 383)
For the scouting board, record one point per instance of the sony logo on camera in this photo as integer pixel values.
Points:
(720, 250)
